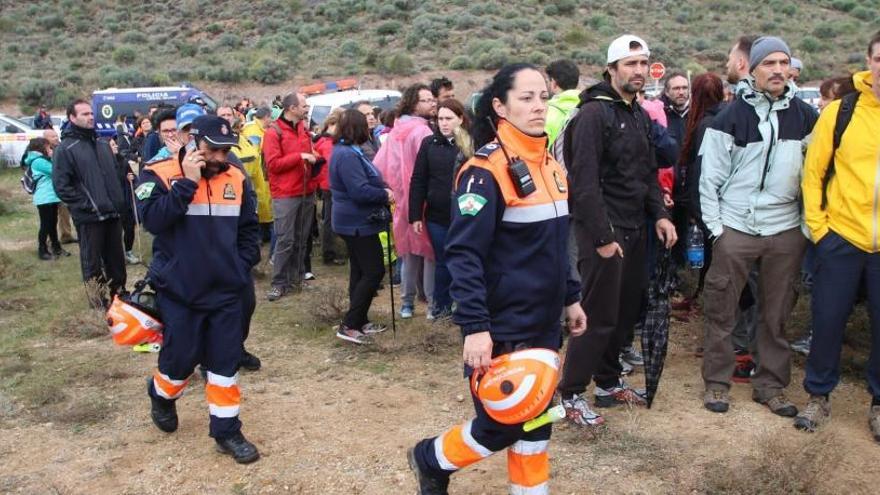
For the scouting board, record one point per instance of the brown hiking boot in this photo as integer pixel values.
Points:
(818, 411)
(874, 422)
(779, 405)
(716, 400)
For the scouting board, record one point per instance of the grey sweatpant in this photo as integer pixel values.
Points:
(293, 225)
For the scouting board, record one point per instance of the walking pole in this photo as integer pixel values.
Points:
(137, 221)
(391, 278)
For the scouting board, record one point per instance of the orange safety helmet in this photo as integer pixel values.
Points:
(133, 319)
(518, 386)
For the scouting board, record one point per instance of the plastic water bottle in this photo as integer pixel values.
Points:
(695, 253)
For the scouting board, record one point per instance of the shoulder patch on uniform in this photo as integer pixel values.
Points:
(487, 150)
(471, 203)
(144, 190)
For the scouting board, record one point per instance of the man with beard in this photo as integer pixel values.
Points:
(614, 187)
(676, 103)
(750, 199)
(203, 214)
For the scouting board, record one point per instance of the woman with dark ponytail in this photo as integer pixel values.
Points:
(506, 250)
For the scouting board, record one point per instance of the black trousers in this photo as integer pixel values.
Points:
(365, 276)
(128, 230)
(248, 306)
(48, 227)
(612, 293)
(102, 258)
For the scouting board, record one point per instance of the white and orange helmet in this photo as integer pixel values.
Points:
(518, 386)
(132, 323)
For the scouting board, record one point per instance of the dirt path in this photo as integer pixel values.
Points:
(333, 419)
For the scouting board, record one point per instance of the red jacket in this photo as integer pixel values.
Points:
(289, 175)
(324, 147)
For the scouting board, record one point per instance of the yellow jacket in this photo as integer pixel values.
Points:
(252, 159)
(254, 131)
(854, 190)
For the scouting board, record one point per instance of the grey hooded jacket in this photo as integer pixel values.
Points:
(752, 160)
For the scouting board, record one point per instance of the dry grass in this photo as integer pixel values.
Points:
(781, 464)
(330, 305)
(82, 325)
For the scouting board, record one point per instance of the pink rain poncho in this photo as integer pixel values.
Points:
(396, 159)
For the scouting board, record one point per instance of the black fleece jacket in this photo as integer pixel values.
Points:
(613, 172)
(87, 176)
(431, 181)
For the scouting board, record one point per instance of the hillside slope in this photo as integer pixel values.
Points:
(57, 48)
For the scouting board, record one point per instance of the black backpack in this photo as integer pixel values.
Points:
(844, 116)
(28, 182)
(562, 150)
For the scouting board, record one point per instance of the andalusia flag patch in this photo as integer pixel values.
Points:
(470, 203)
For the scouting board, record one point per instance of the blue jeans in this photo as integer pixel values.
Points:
(442, 278)
(839, 267)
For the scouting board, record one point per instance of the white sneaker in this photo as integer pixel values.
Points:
(309, 276)
(579, 412)
(131, 258)
(406, 312)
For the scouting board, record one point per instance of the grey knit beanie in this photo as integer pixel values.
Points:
(764, 46)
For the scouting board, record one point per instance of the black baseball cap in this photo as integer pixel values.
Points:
(214, 130)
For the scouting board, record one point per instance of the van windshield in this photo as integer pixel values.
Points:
(319, 114)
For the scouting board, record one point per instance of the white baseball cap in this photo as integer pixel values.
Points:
(619, 48)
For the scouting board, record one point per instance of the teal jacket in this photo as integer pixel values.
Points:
(558, 109)
(41, 168)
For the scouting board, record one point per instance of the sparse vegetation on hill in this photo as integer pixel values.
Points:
(57, 48)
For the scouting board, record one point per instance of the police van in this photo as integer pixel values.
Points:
(109, 104)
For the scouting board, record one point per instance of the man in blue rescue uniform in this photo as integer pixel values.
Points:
(203, 214)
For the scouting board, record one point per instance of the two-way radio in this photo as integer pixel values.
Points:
(518, 170)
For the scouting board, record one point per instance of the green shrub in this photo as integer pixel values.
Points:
(789, 9)
(843, 5)
(269, 70)
(401, 64)
(124, 54)
(110, 76)
(811, 44)
(701, 44)
(135, 37)
(350, 49)
(825, 31)
(538, 57)
(51, 21)
(865, 14)
(229, 40)
(576, 36)
(493, 59)
(389, 28)
(460, 62)
(598, 20)
(545, 36)
(467, 21)
(179, 75)
(8, 65)
(565, 7)
(551, 10)
(186, 49)
(214, 28)
(4, 91)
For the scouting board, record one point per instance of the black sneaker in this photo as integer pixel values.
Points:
(249, 361)
(427, 484)
(238, 447)
(162, 411)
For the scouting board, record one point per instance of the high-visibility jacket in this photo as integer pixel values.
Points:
(252, 160)
(853, 208)
(508, 256)
(206, 235)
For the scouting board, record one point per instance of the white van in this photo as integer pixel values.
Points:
(320, 106)
(14, 138)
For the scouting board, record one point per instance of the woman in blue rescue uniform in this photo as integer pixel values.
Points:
(508, 259)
